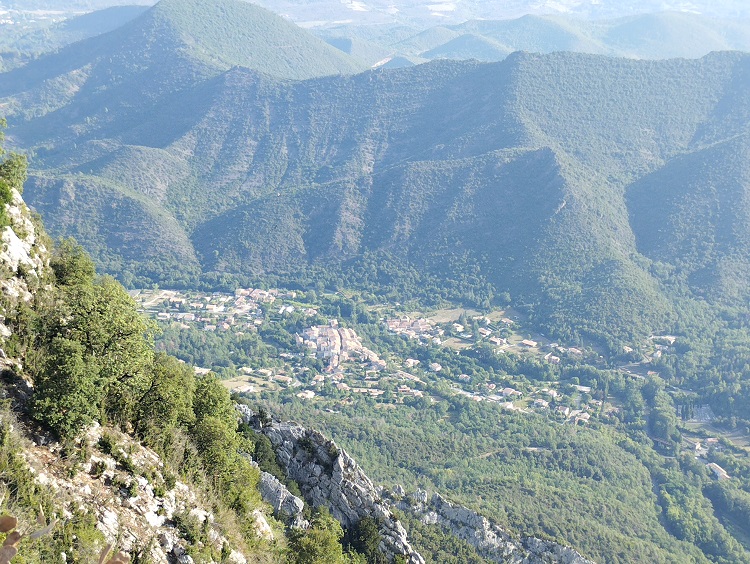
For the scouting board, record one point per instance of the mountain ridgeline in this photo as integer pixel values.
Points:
(643, 36)
(596, 191)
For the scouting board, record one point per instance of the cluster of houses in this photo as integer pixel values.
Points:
(701, 450)
(337, 345)
(543, 399)
(427, 331)
(215, 311)
(371, 386)
(421, 329)
(340, 347)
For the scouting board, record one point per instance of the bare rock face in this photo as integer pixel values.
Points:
(23, 261)
(128, 507)
(329, 477)
(286, 506)
(490, 540)
(20, 247)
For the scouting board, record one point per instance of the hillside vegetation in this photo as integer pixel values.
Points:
(529, 176)
(77, 356)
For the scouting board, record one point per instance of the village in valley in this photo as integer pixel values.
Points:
(347, 367)
(350, 368)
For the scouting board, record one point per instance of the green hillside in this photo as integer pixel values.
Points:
(674, 34)
(604, 199)
(360, 49)
(232, 32)
(469, 46)
(542, 34)
(86, 88)
(521, 168)
(694, 214)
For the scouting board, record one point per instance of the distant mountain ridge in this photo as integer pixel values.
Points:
(659, 35)
(519, 171)
(76, 28)
(421, 14)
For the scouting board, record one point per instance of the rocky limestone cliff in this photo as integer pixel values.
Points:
(491, 541)
(329, 477)
(286, 506)
(134, 506)
(23, 259)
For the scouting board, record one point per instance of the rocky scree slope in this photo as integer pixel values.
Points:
(135, 506)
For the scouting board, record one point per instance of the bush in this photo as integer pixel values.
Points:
(107, 443)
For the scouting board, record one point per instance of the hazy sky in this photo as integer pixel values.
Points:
(460, 10)
(433, 12)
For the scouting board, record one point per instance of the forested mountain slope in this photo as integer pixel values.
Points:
(517, 171)
(108, 447)
(87, 86)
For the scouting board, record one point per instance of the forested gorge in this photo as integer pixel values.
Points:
(612, 496)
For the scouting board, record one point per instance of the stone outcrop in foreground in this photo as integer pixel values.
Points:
(286, 506)
(328, 476)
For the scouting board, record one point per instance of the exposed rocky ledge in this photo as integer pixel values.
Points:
(286, 506)
(490, 540)
(329, 477)
(129, 516)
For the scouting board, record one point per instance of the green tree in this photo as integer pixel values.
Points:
(71, 264)
(213, 399)
(320, 544)
(67, 396)
(217, 444)
(113, 340)
(365, 538)
(13, 170)
(168, 402)
(104, 319)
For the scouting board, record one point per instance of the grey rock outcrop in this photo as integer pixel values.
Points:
(329, 477)
(244, 413)
(490, 540)
(128, 516)
(548, 551)
(286, 506)
(24, 259)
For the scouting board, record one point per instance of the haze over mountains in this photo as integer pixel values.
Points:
(542, 174)
(416, 31)
(423, 14)
(543, 257)
(44, 38)
(645, 36)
